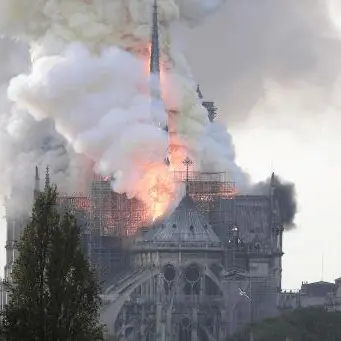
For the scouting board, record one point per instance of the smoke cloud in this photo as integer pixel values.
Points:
(87, 91)
(285, 195)
(282, 62)
(26, 143)
(281, 58)
(89, 78)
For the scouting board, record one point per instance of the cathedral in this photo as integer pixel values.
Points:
(202, 272)
(205, 270)
(196, 278)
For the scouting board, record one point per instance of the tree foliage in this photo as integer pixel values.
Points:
(309, 324)
(54, 293)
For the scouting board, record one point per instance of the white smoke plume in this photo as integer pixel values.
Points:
(89, 76)
(25, 142)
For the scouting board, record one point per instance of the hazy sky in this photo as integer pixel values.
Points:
(274, 69)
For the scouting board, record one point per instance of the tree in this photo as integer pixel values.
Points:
(54, 294)
(309, 324)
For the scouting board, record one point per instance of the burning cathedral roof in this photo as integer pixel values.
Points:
(185, 224)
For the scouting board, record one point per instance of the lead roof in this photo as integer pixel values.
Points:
(185, 224)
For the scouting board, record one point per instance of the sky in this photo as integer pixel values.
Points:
(273, 68)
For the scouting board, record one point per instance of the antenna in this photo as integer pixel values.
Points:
(322, 267)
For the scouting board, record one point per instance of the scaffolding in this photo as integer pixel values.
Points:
(207, 189)
(114, 214)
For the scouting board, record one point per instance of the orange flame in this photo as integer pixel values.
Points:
(158, 188)
(157, 184)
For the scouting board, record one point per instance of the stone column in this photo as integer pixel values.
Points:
(194, 324)
(159, 310)
(142, 324)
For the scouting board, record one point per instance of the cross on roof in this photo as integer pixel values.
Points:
(187, 162)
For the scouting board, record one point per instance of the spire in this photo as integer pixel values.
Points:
(272, 187)
(37, 180)
(187, 162)
(272, 181)
(47, 178)
(154, 67)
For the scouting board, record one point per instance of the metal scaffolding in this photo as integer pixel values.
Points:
(113, 214)
(109, 213)
(208, 190)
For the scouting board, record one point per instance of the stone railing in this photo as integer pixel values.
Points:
(181, 245)
(178, 299)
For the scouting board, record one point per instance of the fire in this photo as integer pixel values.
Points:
(157, 181)
(159, 189)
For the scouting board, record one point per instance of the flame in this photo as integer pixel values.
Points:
(159, 188)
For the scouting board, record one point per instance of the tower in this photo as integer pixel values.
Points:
(210, 107)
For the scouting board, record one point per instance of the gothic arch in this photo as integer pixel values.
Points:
(121, 294)
(113, 308)
(209, 273)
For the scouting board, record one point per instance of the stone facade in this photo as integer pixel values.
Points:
(189, 280)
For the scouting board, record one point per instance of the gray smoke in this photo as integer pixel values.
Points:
(248, 52)
(270, 59)
(264, 49)
(285, 193)
(26, 142)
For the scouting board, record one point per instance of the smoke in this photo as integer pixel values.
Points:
(87, 90)
(282, 62)
(285, 195)
(89, 77)
(26, 143)
(194, 12)
(282, 59)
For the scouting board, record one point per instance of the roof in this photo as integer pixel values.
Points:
(185, 224)
(318, 289)
(251, 213)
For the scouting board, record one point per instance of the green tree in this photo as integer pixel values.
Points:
(309, 324)
(54, 293)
